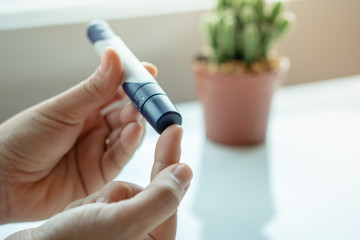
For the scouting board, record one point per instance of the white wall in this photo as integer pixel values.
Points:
(325, 43)
(39, 62)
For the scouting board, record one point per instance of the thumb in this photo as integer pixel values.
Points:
(80, 101)
(159, 201)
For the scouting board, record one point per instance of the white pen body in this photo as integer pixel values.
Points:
(143, 90)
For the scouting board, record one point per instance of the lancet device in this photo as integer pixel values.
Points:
(142, 89)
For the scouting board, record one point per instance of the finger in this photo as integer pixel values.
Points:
(168, 149)
(79, 102)
(123, 115)
(130, 219)
(156, 203)
(86, 219)
(151, 68)
(88, 152)
(128, 139)
(110, 193)
(115, 134)
(167, 152)
(118, 191)
(123, 140)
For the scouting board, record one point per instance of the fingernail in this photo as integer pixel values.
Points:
(183, 173)
(105, 62)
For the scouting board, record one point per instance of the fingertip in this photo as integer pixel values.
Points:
(183, 173)
(110, 63)
(152, 69)
(94, 93)
(161, 198)
(117, 191)
(114, 57)
(175, 132)
(131, 137)
(168, 142)
(131, 114)
(123, 144)
(173, 129)
(105, 62)
(103, 85)
(168, 149)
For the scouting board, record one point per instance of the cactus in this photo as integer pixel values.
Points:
(245, 30)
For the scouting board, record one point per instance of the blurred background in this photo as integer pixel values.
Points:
(44, 49)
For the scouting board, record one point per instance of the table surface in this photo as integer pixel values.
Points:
(302, 184)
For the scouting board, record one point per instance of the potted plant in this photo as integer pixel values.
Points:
(238, 72)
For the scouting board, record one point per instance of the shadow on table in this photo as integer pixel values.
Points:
(233, 197)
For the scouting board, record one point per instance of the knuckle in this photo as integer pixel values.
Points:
(170, 193)
(94, 89)
(123, 190)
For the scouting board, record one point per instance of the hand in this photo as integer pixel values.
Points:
(123, 210)
(53, 153)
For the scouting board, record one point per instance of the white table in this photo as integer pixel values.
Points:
(303, 184)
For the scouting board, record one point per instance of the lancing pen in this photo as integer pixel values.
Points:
(142, 89)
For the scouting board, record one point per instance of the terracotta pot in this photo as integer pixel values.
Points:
(236, 107)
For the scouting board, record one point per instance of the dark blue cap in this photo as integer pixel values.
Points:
(99, 30)
(161, 113)
(154, 104)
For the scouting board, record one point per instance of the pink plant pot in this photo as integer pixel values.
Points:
(236, 107)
